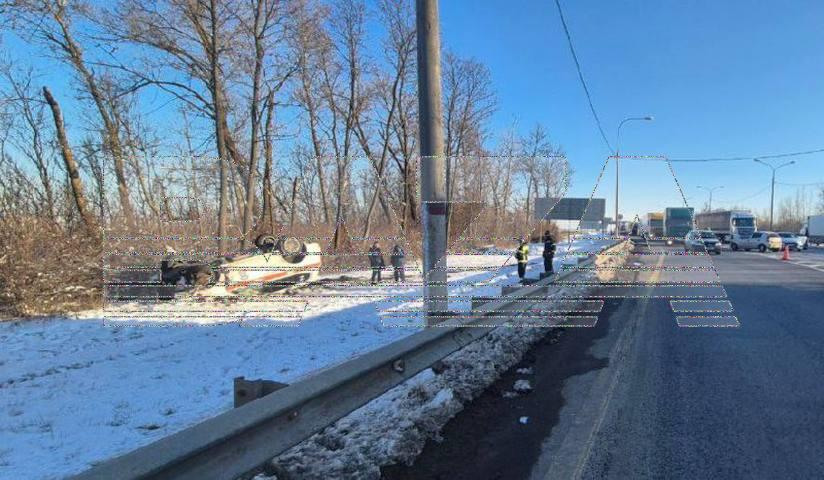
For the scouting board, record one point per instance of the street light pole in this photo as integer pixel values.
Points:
(710, 189)
(772, 185)
(648, 118)
(433, 170)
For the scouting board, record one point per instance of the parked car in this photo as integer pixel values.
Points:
(702, 241)
(762, 241)
(795, 242)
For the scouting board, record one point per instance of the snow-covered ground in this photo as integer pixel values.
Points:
(74, 391)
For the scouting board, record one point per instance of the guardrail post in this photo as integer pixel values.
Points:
(248, 390)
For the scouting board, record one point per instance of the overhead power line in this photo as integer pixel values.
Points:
(748, 197)
(809, 184)
(751, 157)
(581, 76)
(663, 158)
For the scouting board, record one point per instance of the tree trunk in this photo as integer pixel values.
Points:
(268, 218)
(111, 138)
(251, 187)
(292, 205)
(68, 159)
(220, 113)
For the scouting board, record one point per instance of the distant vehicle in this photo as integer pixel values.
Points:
(727, 223)
(623, 227)
(702, 241)
(813, 230)
(678, 221)
(762, 241)
(792, 240)
(655, 224)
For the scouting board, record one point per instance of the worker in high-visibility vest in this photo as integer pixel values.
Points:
(522, 256)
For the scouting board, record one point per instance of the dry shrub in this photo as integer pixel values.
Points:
(46, 270)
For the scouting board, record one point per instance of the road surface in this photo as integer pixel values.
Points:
(639, 396)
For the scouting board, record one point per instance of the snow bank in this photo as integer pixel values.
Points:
(78, 390)
(394, 427)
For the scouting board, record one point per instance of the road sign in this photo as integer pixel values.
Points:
(550, 208)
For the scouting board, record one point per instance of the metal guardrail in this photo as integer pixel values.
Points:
(240, 440)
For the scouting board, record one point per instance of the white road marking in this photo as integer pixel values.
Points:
(804, 263)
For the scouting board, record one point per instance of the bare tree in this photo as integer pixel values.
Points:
(29, 135)
(468, 103)
(52, 23)
(68, 159)
(399, 46)
(269, 31)
(821, 200)
(312, 45)
(342, 90)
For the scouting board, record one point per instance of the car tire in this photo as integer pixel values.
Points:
(292, 249)
(762, 248)
(266, 242)
(734, 247)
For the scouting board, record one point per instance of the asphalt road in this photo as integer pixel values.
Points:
(639, 396)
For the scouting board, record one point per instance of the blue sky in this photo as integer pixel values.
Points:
(730, 78)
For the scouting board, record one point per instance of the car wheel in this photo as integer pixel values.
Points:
(266, 242)
(734, 247)
(762, 248)
(292, 249)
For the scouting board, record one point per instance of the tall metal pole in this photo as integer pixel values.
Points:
(772, 198)
(433, 165)
(617, 171)
(710, 190)
(772, 184)
(648, 118)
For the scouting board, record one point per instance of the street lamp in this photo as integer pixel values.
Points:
(710, 189)
(772, 191)
(648, 118)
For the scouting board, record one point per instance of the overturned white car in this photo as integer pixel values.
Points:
(274, 264)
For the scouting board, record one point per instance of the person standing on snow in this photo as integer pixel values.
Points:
(549, 253)
(376, 262)
(522, 255)
(398, 257)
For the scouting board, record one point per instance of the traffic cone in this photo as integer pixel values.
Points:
(786, 253)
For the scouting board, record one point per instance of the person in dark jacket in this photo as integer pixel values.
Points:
(522, 256)
(376, 262)
(398, 258)
(549, 253)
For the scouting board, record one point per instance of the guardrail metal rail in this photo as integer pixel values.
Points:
(239, 441)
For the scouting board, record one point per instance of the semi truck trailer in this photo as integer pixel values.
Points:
(814, 230)
(678, 221)
(655, 224)
(727, 224)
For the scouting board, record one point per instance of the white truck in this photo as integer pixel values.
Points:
(813, 230)
(727, 224)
